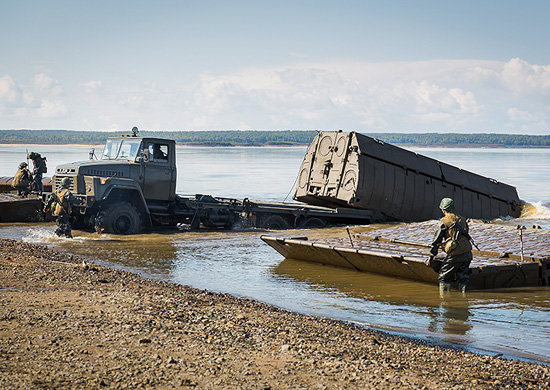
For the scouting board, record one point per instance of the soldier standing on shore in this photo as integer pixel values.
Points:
(63, 199)
(22, 180)
(452, 233)
(39, 168)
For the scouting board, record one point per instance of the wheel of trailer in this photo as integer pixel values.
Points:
(312, 222)
(276, 222)
(122, 218)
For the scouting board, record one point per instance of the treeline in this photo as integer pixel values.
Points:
(274, 138)
(212, 138)
(465, 140)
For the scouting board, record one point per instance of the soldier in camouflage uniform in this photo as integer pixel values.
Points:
(456, 245)
(22, 180)
(39, 168)
(62, 199)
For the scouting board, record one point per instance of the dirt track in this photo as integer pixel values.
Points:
(69, 324)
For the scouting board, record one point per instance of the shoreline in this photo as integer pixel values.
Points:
(68, 323)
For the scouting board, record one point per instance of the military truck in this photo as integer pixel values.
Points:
(133, 186)
(345, 178)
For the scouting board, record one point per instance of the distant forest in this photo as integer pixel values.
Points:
(274, 138)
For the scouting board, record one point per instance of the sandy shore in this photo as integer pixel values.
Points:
(68, 324)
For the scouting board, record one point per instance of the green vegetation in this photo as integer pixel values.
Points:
(274, 138)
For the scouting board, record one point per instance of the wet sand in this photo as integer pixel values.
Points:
(67, 323)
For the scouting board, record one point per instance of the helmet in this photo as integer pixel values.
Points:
(447, 204)
(32, 155)
(22, 165)
(65, 182)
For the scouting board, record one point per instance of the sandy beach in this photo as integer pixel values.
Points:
(66, 323)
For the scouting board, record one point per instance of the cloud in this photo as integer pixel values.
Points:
(422, 96)
(522, 77)
(439, 96)
(47, 85)
(13, 100)
(10, 92)
(92, 85)
(526, 119)
(134, 102)
(427, 98)
(518, 115)
(38, 100)
(52, 109)
(298, 96)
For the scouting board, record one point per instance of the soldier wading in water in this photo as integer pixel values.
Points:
(63, 199)
(452, 233)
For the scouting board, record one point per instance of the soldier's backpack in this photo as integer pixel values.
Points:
(43, 166)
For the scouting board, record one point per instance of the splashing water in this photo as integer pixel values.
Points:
(41, 236)
(45, 236)
(535, 210)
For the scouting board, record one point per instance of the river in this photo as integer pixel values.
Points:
(511, 322)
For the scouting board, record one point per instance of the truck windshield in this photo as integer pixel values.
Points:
(121, 149)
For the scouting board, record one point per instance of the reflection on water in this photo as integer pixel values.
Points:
(451, 320)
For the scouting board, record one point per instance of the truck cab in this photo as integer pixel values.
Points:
(151, 162)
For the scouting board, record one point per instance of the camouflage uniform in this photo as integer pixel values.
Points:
(39, 168)
(22, 180)
(62, 212)
(456, 245)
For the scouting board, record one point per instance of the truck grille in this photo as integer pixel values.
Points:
(105, 173)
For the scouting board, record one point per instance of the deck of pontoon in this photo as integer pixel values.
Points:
(507, 258)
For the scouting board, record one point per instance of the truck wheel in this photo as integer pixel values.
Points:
(313, 222)
(122, 218)
(276, 222)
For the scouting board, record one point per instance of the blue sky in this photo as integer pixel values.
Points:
(368, 66)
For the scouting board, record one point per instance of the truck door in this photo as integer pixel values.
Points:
(160, 171)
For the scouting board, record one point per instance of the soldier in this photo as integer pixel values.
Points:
(63, 199)
(22, 180)
(39, 168)
(158, 154)
(456, 243)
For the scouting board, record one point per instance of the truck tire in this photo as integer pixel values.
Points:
(122, 218)
(276, 222)
(313, 222)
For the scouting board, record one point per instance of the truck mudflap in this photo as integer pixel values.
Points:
(348, 169)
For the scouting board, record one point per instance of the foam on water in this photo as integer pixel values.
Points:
(535, 210)
(41, 236)
(45, 236)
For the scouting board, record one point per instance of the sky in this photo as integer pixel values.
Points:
(368, 66)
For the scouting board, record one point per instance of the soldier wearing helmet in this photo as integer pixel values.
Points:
(22, 180)
(62, 201)
(455, 244)
(39, 168)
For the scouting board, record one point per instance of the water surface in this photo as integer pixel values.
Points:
(511, 322)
